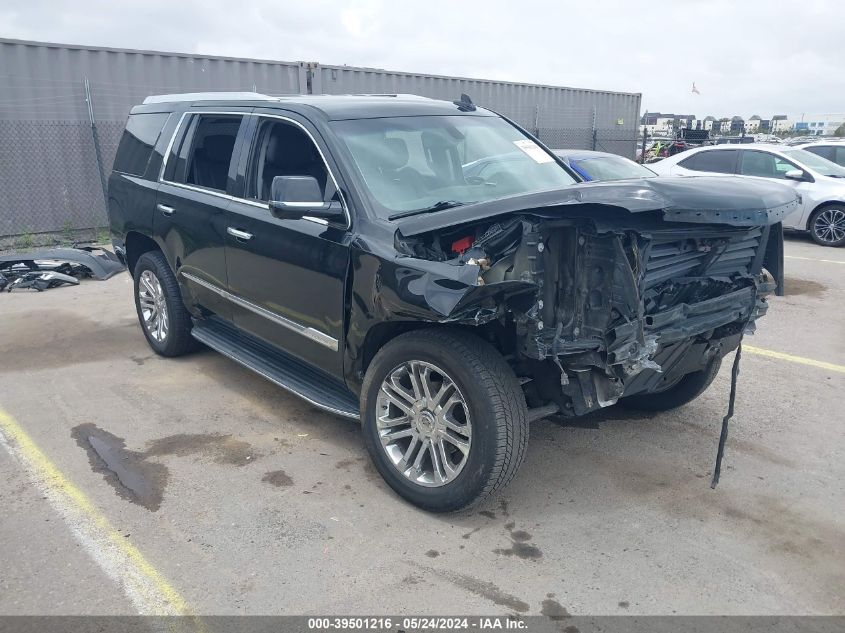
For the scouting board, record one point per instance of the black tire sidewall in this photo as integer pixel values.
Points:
(812, 222)
(155, 262)
(473, 478)
(685, 391)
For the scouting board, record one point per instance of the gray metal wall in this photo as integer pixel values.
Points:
(50, 171)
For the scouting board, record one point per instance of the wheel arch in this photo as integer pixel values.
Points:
(136, 244)
(380, 334)
(820, 206)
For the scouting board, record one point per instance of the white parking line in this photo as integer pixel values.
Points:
(813, 259)
(145, 587)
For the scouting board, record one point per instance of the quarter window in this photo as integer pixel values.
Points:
(137, 142)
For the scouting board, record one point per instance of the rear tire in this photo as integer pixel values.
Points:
(683, 392)
(410, 438)
(164, 318)
(827, 225)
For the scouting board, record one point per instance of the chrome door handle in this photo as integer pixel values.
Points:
(166, 210)
(241, 235)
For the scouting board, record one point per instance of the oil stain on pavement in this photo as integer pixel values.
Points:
(519, 545)
(278, 478)
(137, 478)
(482, 588)
(793, 286)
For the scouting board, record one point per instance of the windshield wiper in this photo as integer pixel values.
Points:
(437, 206)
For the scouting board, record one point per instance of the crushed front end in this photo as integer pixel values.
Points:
(592, 302)
(622, 311)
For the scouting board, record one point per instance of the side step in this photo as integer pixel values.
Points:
(291, 374)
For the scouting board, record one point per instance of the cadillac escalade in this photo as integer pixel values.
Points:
(432, 270)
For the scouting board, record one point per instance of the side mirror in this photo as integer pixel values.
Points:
(795, 174)
(294, 197)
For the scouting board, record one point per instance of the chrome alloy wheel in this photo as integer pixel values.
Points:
(829, 225)
(153, 305)
(423, 423)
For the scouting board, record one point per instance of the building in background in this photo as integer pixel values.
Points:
(752, 125)
(818, 124)
(780, 124)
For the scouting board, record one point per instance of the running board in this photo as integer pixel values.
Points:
(282, 369)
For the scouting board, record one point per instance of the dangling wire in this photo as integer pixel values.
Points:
(723, 437)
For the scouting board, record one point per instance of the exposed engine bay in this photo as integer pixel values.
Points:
(604, 304)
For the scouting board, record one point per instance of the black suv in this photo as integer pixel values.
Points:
(431, 269)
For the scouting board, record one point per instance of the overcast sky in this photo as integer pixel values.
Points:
(745, 56)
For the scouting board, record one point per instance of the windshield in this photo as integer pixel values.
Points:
(609, 168)
(422, 163)
(816, 162)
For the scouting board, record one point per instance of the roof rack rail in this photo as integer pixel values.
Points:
(209, 96)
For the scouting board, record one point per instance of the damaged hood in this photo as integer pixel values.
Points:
(698, 199)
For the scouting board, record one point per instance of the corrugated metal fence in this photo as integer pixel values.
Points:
(62, 110)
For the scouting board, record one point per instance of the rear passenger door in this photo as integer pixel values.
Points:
(287, 277)
(190, 215)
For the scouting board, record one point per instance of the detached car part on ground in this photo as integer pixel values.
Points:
(41, 270)
(445, 326)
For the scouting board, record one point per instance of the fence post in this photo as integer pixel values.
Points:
(595, 132)
(97, 155)
(645, 138)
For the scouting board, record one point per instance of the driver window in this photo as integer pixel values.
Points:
(764, 165)
(283, 149)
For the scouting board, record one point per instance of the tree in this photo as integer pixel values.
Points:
(840, 131)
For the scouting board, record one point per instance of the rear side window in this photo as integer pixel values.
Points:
(722, 161)
(825, 151)
(840, 156)
(137, 142)
(204, 155)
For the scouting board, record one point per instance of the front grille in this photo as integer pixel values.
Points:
(669, 258)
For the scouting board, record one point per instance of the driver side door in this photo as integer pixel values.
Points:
(287, 277)
(761, 164)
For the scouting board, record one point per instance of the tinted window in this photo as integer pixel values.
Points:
(205, 152)
(609, 168)
(764, 165)
(825, 151)
(137, 142)
(722, 161)
(283, 149)
(840, 156)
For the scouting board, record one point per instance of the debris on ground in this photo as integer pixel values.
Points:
(41, 270)
(40, 280)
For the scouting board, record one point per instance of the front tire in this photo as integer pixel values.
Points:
(827, 225)
(687, 389)
(164, 319)
(444, 418)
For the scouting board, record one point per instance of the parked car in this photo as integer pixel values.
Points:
(831, 150)
(334, 245)
(591, 165)
(819, 182)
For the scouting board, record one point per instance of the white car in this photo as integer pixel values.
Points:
(819, 182)
(832, 150)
